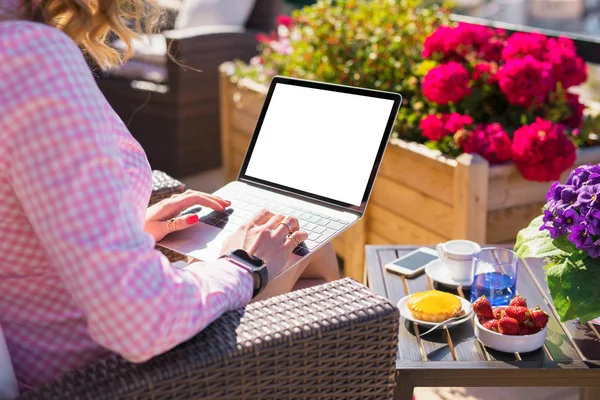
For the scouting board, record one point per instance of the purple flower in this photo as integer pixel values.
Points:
(579, 235)
(565, 220)
(593, 219)
(594, 249)
(594, 178)
(588, 198)
(568, 195)
(555, 191)
(548, 224)
(579, 176)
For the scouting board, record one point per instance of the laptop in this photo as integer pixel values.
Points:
(314, 155)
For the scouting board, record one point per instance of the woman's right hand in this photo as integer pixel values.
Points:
(271, 237)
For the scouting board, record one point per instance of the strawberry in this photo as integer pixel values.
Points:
(498, 313)
(528, 330)
(518, 301)
(491, 325)
(538, 317)
(508, 326)
(521, 314)
(483, 321)
(525, 330)
(483, 308)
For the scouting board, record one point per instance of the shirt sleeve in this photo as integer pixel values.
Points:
(66, 170)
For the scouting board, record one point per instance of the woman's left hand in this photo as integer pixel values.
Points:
(159, 214)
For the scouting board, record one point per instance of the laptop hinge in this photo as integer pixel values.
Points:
(300, 197)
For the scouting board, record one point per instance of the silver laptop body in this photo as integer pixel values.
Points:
(314, 155)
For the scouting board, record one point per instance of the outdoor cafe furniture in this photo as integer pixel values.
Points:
(452, 357)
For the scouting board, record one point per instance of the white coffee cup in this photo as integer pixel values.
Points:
(458, 256)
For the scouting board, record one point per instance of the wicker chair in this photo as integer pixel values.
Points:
(176, 118)
(336, 340)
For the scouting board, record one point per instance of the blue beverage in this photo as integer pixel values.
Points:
(499, 288)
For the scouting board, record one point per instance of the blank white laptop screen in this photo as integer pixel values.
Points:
(319, 141)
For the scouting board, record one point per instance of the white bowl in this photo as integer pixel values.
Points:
(509, 343)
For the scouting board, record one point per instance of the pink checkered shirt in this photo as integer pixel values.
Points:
(79, 277)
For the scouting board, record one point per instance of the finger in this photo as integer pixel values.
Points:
(220, 200)
(178, 224)
(260, 218)
(176, 205)
(286, 226)
(295, 239)
(274, 221)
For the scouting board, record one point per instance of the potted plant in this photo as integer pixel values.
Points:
(567, 235)
(464, 159)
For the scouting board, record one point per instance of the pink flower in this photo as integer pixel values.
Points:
(446, 83)
(434, 43)
(577, 108)
(567, 68)
(542, 151)
(262, 38)
(285, 20)
(492, 50)
(432, 127)
(490, 141)
(453, 44)
(455, 122)
(485, 72)
(437, 127)
(525, 81)
(520, 45)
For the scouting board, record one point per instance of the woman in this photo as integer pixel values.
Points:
(79, 276)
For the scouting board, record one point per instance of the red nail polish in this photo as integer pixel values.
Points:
(191, 219)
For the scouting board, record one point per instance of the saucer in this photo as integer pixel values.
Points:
(405, 312)
(438, 271)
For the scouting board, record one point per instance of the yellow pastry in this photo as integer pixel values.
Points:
(434, 306)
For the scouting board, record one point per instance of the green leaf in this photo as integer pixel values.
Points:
(534, 243)
(575, 288)
(563, 243)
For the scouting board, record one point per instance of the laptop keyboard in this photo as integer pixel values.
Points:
(318, 226)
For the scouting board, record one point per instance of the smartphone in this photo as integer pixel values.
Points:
(412, 263)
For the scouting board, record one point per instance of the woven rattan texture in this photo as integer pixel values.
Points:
(163, 186)
(333, 341)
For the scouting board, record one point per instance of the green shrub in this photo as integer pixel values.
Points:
(374, 44)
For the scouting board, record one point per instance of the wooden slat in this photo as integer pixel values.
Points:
(239, 141)
(248, 102)
(408, 346)
(385, 223)
(558, 343)
(470, 197)
(225, 118)
(435, 343)
(584, 336)
(243, 123)
(375, 272)
(413, 206)
(503, 225)
(373, 238)
(466, 345)
(427, 174)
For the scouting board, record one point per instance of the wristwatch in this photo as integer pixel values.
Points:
(256, 265)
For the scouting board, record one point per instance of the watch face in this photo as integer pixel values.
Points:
(255, 261)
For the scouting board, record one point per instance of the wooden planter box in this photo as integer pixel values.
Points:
(420, 196)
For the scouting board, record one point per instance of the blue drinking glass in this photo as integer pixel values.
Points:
(494, 275)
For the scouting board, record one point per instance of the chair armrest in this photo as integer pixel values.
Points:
(164, 186)
(336, 340)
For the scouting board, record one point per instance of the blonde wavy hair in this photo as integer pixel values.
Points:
(90, 22)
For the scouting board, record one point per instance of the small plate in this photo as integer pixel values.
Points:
(438, 271)
(405, 312)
